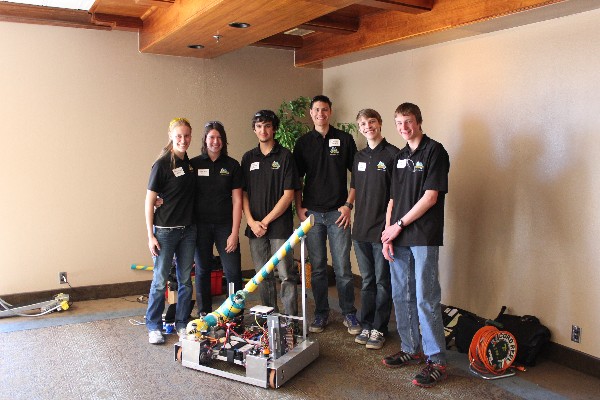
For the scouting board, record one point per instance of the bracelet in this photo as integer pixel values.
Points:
(349, 205)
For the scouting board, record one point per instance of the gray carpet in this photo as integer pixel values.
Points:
(111, 359)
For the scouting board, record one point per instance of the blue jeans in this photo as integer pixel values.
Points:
(179, 242)
(339, 244)
(262, 249)
(210, 235)
(417, 295)
(376, 290)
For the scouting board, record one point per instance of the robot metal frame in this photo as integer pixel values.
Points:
(286, 353)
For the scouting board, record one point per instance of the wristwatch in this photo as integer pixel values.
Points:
(400, 223)
(349, 205)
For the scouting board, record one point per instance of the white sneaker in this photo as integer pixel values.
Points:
(155, 337)
(376, 340)
(182, 333)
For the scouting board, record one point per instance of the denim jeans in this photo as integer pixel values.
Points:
(210, 235)
(262, 249)
(376, 290)
(339, 244)
(178, 242)
(417, 294)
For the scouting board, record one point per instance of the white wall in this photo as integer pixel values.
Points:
(83, 116)
(519, 113)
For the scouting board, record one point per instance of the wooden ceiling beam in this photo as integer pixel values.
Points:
(157, 3)
(332, 23)
(118, 22)
(407, 6)
(281, 41)
(12, 12)
(393, 27)
(170, 30)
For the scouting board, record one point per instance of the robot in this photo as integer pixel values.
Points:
(266, 353)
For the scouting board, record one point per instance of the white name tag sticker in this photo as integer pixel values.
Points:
(254, 166)
(334, 142)
(178, 171)
(362, 166)
(401, 164)
(203, 172)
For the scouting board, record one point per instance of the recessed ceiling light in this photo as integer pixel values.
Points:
(239, 24)
(196, 46)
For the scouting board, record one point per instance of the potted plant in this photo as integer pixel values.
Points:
(292, 121)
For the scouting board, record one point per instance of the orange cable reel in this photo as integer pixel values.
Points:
(492, 350)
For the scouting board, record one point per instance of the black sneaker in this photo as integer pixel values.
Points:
(401, 359)
(431, 374)
(363, 337)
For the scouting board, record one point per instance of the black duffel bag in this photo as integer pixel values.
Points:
(530, 334)
(466, 327)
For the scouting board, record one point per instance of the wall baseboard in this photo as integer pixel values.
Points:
(83, 293)
(573, 359)
(554, 352)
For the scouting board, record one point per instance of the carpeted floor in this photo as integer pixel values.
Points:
(110, 358)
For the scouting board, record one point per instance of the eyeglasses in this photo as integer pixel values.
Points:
(213, 123)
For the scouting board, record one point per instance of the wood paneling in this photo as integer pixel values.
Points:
(343, 29)
(390, 26)
(170, 30)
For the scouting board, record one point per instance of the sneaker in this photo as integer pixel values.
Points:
(431, 374)
(401, 359)
(319, 324)
(363, 337)
(352, 324)
(375, 340)
(182, 333)
(155, 337)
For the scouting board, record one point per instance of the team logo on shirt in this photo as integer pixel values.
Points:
(419, 167)
(381, 166)
(224, 171)
(275, 165)
(333, 151)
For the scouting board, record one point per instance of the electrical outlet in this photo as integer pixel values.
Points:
(575, 334)
(62, 277)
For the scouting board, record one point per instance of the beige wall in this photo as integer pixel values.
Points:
(519, 113)
(83, 116)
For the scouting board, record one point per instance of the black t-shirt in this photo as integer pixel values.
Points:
(265, 179)
(425, 169)
(214, 183)
(176, 187)
(371, 178)
(324, 162)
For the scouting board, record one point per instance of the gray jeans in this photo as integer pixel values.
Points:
(262, 250)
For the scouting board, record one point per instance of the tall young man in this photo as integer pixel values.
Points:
(371, 177)
(324, 156)
(270, 181)
(414, 231)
